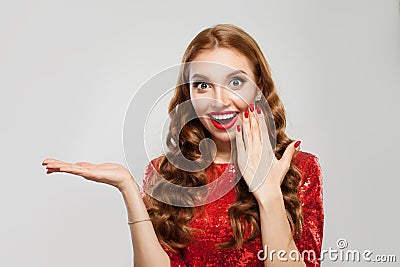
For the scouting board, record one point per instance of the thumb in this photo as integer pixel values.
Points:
(288, 154)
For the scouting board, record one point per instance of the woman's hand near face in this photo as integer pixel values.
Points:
(108, 173)
(262, 171)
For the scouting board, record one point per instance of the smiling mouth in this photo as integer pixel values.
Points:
(223, 120)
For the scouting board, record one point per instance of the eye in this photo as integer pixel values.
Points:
(201, 85)
(237, 82)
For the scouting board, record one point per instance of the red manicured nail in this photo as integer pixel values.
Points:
(258, 110)
(251, 106)
(297, 144)
(246, 113)
(238, 128)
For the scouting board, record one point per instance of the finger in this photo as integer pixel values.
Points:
(68, 168)
(75, 170)
(242, 154)
(58, 167)
(49, 160)
(52, 170)
(288, 155)
(246, 129)
(254, 127)
(263, 126)
(256, 152)
(268, 154)
(46, 161)
(241, 151)
(58, 164)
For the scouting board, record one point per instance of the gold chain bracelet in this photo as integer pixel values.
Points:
(138, 221)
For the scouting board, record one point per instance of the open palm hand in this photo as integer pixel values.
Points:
(109, 173)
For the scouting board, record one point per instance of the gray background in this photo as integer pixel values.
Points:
(68, 70)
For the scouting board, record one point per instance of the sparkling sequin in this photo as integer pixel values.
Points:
(217, 228)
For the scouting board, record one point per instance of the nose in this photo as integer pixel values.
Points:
(221, 97)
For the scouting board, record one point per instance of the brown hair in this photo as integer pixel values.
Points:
(171, 222)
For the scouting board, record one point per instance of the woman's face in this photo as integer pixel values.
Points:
(221, 90)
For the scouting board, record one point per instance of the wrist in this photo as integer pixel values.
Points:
(272, 196)
(128, 186)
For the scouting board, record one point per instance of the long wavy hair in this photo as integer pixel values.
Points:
(171, 222)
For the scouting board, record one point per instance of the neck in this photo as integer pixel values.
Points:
(223, 154)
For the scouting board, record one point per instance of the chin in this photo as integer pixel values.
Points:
(224, 136)
(220, 135)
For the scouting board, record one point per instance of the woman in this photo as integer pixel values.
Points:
(275, 201)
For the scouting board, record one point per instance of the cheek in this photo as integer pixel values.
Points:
(246, 96)
(241, 104)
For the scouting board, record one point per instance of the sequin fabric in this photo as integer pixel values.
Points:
(215, 222)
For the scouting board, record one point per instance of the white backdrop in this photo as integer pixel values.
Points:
(68, 70)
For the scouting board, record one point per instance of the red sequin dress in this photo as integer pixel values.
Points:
(217, 228)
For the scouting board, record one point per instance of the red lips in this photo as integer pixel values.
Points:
(223, 124)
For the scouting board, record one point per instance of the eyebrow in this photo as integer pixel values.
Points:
(229, 75)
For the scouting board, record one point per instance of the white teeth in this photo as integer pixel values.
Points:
(223, 117)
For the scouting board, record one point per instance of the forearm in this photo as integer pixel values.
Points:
(276, 234)
(146, 247)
